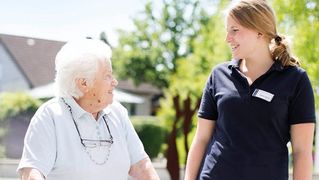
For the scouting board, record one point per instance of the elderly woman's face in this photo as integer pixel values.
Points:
(101, 92)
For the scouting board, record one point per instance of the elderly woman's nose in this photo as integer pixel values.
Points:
(114, 82)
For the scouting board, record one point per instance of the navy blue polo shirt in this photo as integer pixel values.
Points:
(253, 121)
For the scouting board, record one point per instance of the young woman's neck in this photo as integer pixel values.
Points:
(259, 61)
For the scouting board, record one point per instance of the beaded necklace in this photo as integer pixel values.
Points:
(93, 144)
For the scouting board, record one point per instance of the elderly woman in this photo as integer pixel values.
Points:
(82, 133)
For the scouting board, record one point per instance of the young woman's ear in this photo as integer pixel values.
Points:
(82, 84)
(259, 35)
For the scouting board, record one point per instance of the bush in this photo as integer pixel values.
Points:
(151, 133)
(13, 104)
(16, 109)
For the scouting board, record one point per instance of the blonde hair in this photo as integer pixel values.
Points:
(258, 15)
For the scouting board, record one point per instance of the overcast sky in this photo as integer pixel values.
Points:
(67, 19)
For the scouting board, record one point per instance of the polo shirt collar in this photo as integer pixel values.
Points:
(105, 111)
(78, 112)
(234, 63)
(276, 66)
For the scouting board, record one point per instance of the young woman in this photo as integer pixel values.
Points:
(254, 105)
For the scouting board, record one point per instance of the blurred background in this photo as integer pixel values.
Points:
(163, 52)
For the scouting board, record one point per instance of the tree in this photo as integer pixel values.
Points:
(300, 20)
(150, 53)
(172, 49)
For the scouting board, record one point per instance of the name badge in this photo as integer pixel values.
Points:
(263, 95)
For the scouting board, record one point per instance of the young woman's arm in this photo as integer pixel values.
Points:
(202, 137)
(301, 141)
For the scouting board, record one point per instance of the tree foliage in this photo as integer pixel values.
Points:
(299, 20)
(14, 103)
(150, 53)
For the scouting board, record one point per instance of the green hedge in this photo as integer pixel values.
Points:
(13, 104)
(151, 133)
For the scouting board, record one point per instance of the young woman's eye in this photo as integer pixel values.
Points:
(233, 31)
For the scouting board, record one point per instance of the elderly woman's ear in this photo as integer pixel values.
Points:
(82, 84)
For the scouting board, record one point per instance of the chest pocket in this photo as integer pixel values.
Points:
(277, 107)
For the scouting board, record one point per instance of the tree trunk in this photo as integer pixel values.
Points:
(188, 114)
(187, 123)
(172, 153)
(172, 156)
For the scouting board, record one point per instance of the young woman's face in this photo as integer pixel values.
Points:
(242, 41)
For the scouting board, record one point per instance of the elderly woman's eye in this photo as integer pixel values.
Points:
(108, 77)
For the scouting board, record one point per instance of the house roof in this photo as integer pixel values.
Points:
(34, 57)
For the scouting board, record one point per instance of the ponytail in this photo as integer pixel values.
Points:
(280, 52)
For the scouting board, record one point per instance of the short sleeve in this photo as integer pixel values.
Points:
(302, 105)
(134, 144)
(39, 149)
(208, 107)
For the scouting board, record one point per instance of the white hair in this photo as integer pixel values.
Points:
(79, 59)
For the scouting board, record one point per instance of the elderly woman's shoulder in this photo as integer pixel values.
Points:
(118, 111)
(116, 106)
(51, 105)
